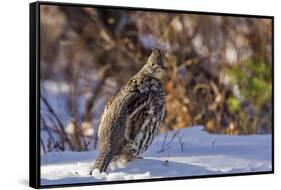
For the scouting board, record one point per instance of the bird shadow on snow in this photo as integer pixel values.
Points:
(160, 168)
(138, 169)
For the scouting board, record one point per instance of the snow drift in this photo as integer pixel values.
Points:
(187, 152)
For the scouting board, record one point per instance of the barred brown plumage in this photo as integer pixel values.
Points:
(132, 117)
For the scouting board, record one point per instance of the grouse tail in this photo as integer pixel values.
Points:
(102, 162)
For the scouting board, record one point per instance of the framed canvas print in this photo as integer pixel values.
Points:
(121, 95)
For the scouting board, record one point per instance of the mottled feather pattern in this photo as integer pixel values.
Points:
(132, 117)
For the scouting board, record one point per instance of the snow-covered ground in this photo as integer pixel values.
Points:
(192, 152)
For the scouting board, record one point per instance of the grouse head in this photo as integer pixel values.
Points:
(154, 66)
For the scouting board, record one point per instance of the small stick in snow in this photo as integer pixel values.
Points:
(181, 143)
(166, 146)
(165, 163)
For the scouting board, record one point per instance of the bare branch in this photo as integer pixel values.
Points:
(58, 120)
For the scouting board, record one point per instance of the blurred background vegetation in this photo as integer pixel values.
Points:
(219, 70)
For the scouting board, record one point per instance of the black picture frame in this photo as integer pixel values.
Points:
(34, 94)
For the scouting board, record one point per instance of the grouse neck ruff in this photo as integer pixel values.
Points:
(117, 99)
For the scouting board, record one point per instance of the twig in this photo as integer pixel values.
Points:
(95, 92)
(78, 136)
(47, 130)
(96, 138)
(58, 121)
(165, 146)
(181, 143)
(61, 135)
(43, 146)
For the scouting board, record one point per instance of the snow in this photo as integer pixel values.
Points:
(193, 152)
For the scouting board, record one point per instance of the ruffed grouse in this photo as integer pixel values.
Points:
(132, 116)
